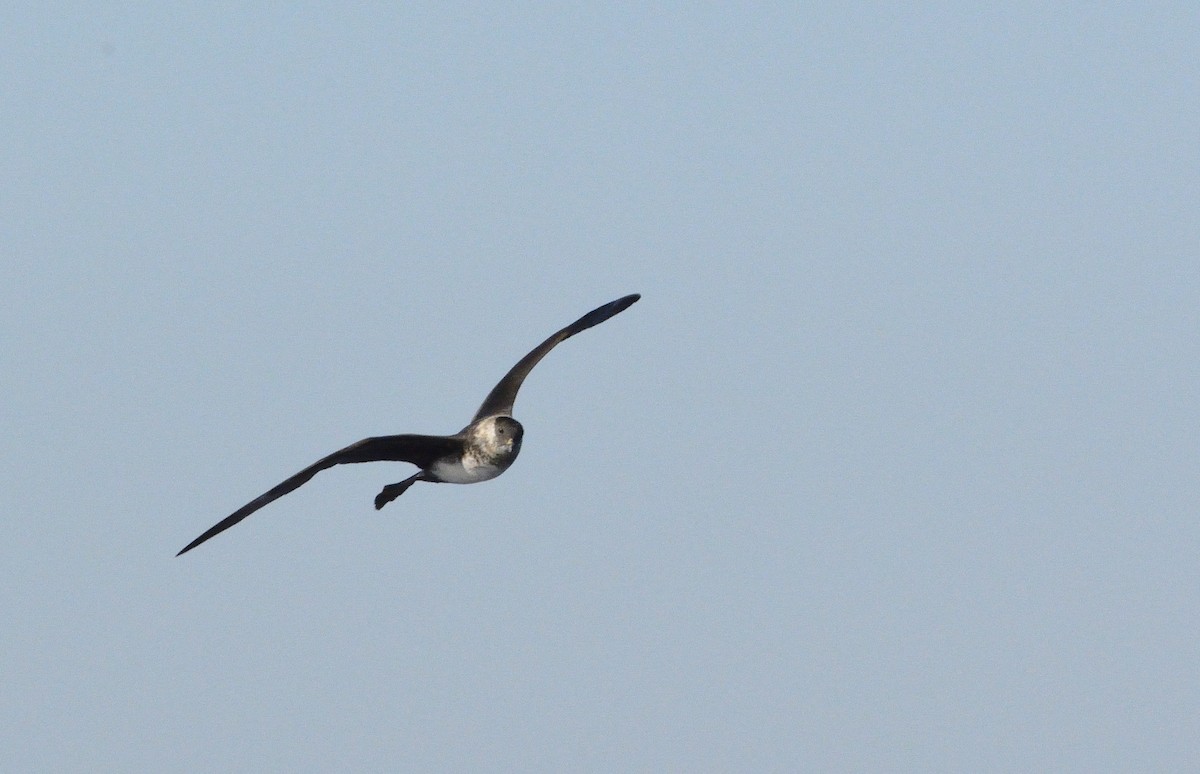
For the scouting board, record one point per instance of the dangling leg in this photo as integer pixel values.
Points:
(392, 491)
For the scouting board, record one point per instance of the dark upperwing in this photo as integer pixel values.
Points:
(500, 400)
(420, 450)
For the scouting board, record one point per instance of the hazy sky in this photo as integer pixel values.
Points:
(893, 468)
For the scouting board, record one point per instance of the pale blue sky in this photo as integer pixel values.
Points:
(893, 468)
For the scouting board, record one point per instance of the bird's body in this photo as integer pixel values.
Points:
(490, 446)
(479, 452)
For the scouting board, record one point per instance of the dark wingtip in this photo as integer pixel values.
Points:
(213, 531)
(623, 303)
(195, 543)
(613, 308)
(600, 314)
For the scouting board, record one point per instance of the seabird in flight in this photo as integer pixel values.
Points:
(480, 451)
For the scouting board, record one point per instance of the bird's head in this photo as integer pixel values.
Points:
(498, 436)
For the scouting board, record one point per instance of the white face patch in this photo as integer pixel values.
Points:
(489, 437)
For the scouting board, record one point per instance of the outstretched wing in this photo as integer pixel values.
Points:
(420, 450)
(500, 400)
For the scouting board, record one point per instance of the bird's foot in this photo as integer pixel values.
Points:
(392, 491)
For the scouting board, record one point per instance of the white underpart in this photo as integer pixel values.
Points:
(470, 471)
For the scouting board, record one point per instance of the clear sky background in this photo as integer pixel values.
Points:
(893, 468)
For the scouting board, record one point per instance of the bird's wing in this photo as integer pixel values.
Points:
(500, 400)
(420, 450)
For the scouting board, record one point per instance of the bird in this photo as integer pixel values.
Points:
(482, 450)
